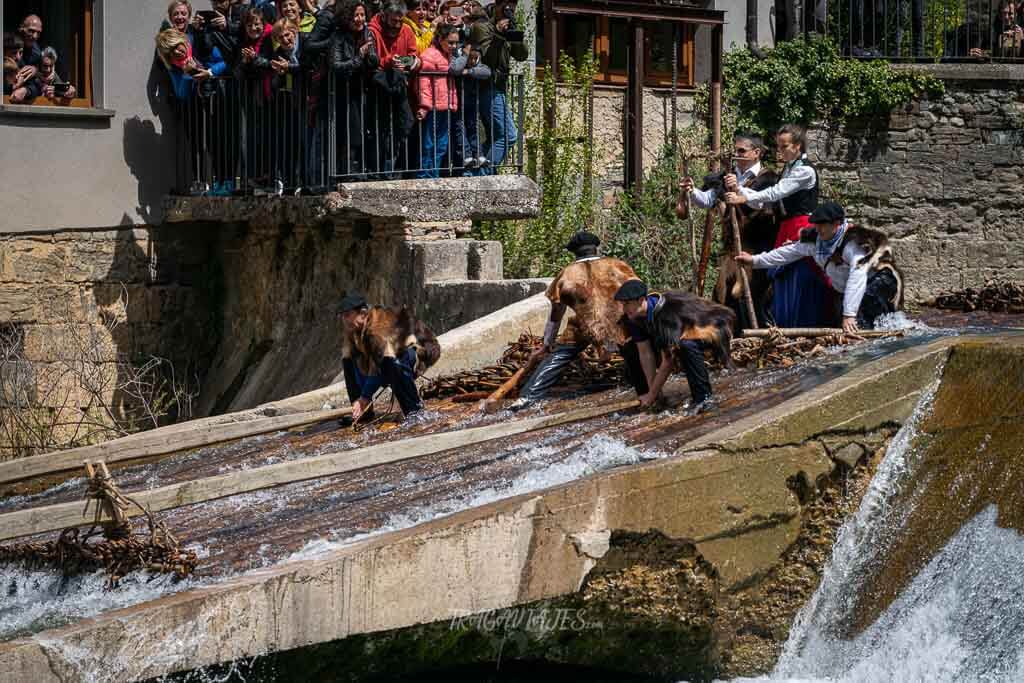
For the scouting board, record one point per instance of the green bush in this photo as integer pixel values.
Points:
(804, 81)
(645, 232)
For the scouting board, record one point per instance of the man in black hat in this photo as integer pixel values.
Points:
(660, 325)
(382, 348)
(858, 262)
(587, 286)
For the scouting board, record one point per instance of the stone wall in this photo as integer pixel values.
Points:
(87, 305)
(942, 177)
(609, 130)
(283, 282)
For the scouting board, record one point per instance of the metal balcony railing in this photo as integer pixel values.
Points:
(299, 133)
(920, 30)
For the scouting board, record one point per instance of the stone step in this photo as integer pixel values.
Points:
(447, 305)
(451, 260)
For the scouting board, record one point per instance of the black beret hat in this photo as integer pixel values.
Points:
(352, 302)
(828, 212)
(582, 239)
(630, 290)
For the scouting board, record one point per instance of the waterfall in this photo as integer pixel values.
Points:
(960, 618)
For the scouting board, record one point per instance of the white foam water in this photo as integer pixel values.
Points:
(596, 454)
(38, 600)
(960, 619)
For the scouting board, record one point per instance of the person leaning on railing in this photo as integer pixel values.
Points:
(438, 99)
(396, 47)
(353, 61)
(472, 75)
(184, 69)
(499, 44)
(255, 48)
(1007, 34)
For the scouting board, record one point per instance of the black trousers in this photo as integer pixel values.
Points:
(694, 367)
(394, 374)
(550, 370)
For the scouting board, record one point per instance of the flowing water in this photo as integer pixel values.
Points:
(960, 616)
(382, 499)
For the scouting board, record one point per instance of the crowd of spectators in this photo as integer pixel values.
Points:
(420, 86)
(30, 70)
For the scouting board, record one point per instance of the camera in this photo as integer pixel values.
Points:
(61, 89)
(208, 15)
(509, 12)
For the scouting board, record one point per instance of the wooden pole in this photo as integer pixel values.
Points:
(792, 332)
(705, 252)
(160, 441)
(53, 517)
(747, 296)
(493, 402)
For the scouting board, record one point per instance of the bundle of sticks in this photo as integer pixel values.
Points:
(474, 385)
(782, 352)
(110, 544)
(993, 296)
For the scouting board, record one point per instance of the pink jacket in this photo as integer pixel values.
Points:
(437, 92)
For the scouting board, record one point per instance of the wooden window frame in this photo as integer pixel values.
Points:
(83, 44)
(652, 78)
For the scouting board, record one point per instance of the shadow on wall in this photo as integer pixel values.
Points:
(163, 289)
(150, 153)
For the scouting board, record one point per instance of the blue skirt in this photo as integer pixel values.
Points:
(799, 296)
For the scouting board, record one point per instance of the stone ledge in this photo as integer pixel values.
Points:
(1002, 73)
(413, 201)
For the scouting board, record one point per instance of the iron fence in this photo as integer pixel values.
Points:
(306, 132)
(920, 30)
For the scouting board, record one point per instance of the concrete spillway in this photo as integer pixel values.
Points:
(464, 531)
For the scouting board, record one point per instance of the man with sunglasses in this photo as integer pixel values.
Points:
(747, 149)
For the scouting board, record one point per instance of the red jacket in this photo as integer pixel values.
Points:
(403, 45)
(436, 92)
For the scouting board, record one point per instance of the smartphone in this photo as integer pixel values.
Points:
(456, 12)
(208, 15)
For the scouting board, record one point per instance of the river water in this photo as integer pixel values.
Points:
(961, 618)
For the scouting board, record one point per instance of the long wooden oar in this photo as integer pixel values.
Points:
(63, 515)
(158, 442)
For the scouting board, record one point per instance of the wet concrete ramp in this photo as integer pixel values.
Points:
(469, 530)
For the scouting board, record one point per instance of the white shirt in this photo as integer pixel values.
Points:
(705, 199)
(795, 177)
(850, 282)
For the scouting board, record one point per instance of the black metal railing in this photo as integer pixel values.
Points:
(920, 30)
(305, 133)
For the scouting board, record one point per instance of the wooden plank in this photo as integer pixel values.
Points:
(157, 442)
(54, 517)
(792, 332)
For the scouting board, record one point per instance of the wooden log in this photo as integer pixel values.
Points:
(747, 297)
(705, 253)
(791, 332)
(470, 397)
(157, 442)
(53, 517)
(493, 402)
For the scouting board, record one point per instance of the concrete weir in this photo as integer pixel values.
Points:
(726, 492)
